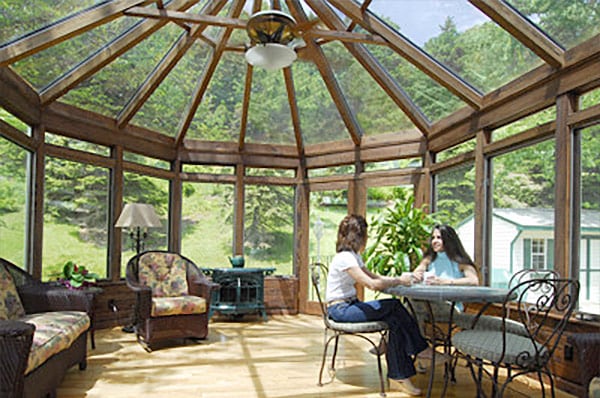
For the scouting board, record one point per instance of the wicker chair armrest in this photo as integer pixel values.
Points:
(44, 298)
(203, 288)
(15, 344)
(143, 300)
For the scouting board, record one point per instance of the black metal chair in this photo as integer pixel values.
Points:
(319, 273)
(544, 321)
(490, 322)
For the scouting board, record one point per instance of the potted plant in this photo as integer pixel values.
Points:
(398, 235)
(77, 276)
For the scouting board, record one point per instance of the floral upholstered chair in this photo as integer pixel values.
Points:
(172, 297)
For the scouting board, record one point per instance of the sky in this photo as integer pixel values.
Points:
(419, 20)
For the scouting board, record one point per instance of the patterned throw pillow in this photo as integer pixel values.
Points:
(164, 273)
(10, 302)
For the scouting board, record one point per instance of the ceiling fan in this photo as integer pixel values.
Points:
(272, 33)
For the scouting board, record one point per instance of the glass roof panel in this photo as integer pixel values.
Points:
(163, 111)
(433, 99)
(567, 22)
(43, 68)
(218, 116)
(459, 36)
(107, 91)
(269, 116)
(20, 17)
(375, 111)
(320, 120)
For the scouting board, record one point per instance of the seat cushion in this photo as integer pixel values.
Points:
(358, 327)
(54, 332)
(489, 322)
(487, 344)
(11, 307)
(164, 273)
(163, 306)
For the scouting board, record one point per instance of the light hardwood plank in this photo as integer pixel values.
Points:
(278, 358)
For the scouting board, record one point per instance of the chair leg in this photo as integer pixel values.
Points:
(335, 349)
(381, 381)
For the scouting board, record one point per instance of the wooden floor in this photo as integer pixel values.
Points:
(278, 358)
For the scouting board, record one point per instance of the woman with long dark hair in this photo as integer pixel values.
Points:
(345, 271)
(446, 261)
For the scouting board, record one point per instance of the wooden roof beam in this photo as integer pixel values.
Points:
(316, 53)
(344, 36)
(168, 62)
(291, 93)
(181, 17)
(385, 81)
(245, 106)
(523, 30)
(108, 54)
(64, 30)
(412, 53)
(206, 76)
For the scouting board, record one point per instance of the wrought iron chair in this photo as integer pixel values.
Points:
(521, 354)
(490, 322)
(319, 273)
(172, 297)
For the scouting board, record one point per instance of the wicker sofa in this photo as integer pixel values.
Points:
(43, 332)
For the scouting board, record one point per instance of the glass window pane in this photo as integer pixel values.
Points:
(25, 16)
(462, 38)
(269, 227)
(589, 99)
(13, 201)
(523, 209)
(14, 121)
(589, 265)
(146, 160)
(373, 108)
(73, 143)
(325, 216)
(568, 22)
(456, 150)
(455, 202)
(75, 217)
(538, 118)
(207, 223)
(154, 191)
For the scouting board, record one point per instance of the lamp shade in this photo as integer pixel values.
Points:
(271, 56)
(138, 215)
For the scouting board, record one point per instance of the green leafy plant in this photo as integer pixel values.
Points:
(77, 276)
(398, 235)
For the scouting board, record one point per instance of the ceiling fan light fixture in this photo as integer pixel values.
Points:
(270, 34)
(270, 56)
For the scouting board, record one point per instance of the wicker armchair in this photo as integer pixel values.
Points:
(18, 378)
(172, 297)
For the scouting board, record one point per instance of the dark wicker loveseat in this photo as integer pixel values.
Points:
(21, 375)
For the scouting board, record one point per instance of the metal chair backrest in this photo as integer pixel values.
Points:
(546, 318)
(318, 275)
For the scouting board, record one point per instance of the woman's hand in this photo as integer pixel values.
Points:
(417, 275)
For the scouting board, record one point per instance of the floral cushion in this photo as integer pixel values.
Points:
(163, 306)
(10, 303)
(54, 332)
(164, 273)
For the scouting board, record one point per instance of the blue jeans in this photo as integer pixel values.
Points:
(404, 337)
